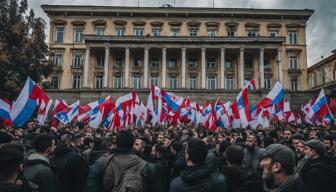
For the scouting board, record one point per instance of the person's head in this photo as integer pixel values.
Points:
(278, 163)
(11, 160)
(4, 138)
(196, 152)
(296, 139)
(157, 151)
(66, 138)
(328, 142)
(139, 146)
(19, 132)
(313, 149)
(251, 142)
(44, 144)
(313, 134)
(235, 154)
(124, 139)
(176, 147)
(287, 135)
(78, 140)
(160, 138)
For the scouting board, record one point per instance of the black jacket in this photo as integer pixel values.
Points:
(293, 184)
(9, 187)
(179, 164)
(198, 178)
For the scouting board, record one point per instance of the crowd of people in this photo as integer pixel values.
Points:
(186, 157)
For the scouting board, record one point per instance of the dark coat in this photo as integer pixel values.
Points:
(252, 158)
(198, 178)
(179, 164)
(293, 184)
(9, 187)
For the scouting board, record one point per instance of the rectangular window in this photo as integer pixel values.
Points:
(324, 76)
(76, 81)
(100, 60)
(99, 82)
(156, 32)
(55, 82)
(193, 32)
(78, 34)
(175, 32)
(211, 82)
(155, 80)
(294, 84)
(268, 83)
(192, 63)
(155, 62)
(120, 31)
(172, 82)
(293, 37)
(212, 32)
(228, 63)
(77, 59)
(117, 82)
(136, 81)
(293, 62)
(193, 82)
(248, 63)
(273, 33)
(58, 59)
(118, 62)
(59, 34)
(231, 33)
(211, 63)
(267, 64)
(172, 63)
(100, 31)
(252, 33)
(137, 62)
(139, 31)
(229, 83)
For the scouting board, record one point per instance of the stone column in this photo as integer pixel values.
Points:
(241, 68)
(145, 83)
(203, 69)
(106, 66)
(164, 67)
(261, 68)
(184, 67)
(127, 59)
(86, 68)
(222, 69)
(279, 66)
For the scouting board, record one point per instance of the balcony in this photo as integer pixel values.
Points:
(173, 70)
(117, 69)
(268, 71)
(155, 70)
(57, 68)
(76, 68)
(229, 72)
(294, 72)
(211, 71)
(248, 72)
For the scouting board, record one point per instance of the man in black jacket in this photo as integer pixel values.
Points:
(197, 176)
(101, 175)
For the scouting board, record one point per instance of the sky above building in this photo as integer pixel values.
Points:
(321, 27)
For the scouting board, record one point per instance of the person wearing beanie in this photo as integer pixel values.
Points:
(316, 174)
(278, 166)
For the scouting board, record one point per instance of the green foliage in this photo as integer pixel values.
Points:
(23, 50)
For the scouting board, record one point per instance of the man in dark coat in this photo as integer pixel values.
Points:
(252, 154)
(278, 170)
(197, 176)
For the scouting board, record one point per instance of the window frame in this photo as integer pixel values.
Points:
(76, 81)
(99, 81)
(117, 79)
(78, 34)
(211, 81)
(56, 33)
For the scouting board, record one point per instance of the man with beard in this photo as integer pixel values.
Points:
(161, 165)
(287, 139)
(278, 170)
(139, 147)
(252, 154)
(329, 144)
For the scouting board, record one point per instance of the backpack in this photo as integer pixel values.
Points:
(127, 180)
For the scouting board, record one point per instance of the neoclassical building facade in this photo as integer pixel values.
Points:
(107, 47)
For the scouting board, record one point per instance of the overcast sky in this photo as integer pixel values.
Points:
(321, 29)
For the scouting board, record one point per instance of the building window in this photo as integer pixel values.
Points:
(293, 62)
(192, 63)
(138, 31)
(193, 82)
(267, 64)
(137, 81)
(229, 83)
(155, 80)
(231, 32)
(273, 33)
(252, 33)
(268, 82)
(175, 32)
(100, 60)
(137, 62)
(324, 76)
(118, 62)
(59, 34)
(294, 84)
(211, 63)
(248, 62)
(55, 82)
(76, 81)
(172, 82)
(77, 59)
(155, 62)
(117, 82)
(212, 32)
(156, 32)
(99, 81)
(58, 60)
(100, 31)
(228, 64)
(211, 82)
(193, 32)
(293, 37)
(120, 31)
(172, 63)
(79, 32)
